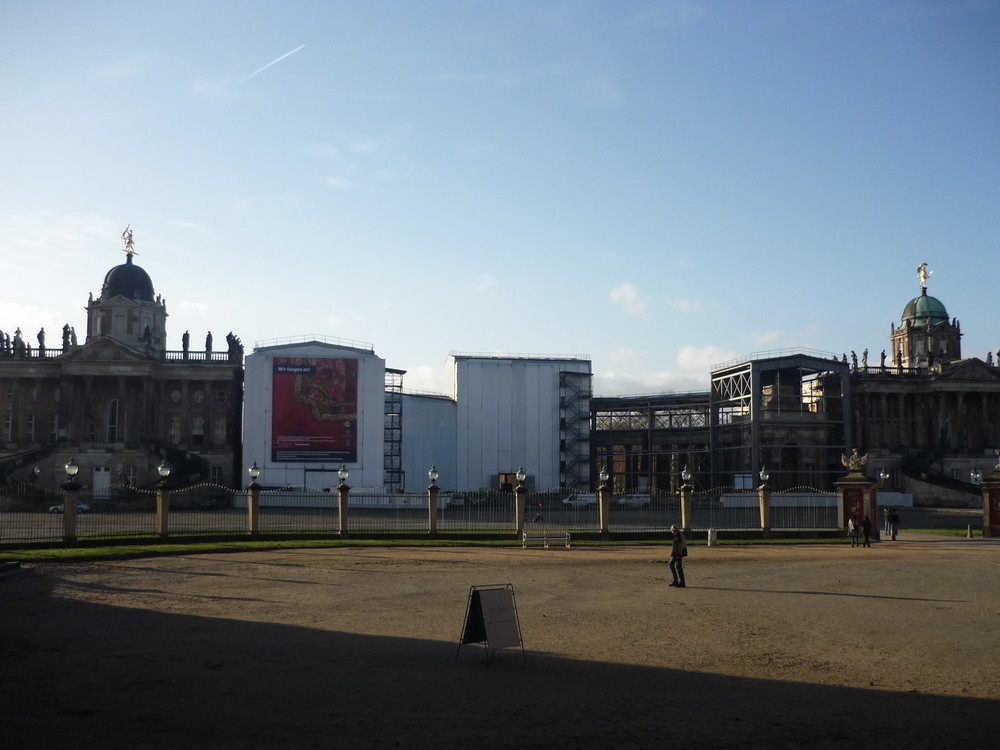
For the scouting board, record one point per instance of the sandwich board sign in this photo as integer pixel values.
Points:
(491, 619)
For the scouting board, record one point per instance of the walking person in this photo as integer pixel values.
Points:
(866, 528)
(887, 520)
(852, 531)
(894, 524)
(678, 551)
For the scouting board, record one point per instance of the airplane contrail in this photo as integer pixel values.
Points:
(278, 60)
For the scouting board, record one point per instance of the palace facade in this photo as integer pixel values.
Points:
(121, 402)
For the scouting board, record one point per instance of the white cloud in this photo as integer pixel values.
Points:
(338, 182)
(627, 297)
(196, 308)
(693, 359)
(324, 150)
(426, 379)
(686, 306)
(612, 383)
(46, 240)
(484, 282)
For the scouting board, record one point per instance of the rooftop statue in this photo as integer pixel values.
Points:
(923, 274)
(129, 245)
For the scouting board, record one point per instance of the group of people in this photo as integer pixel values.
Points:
(854, 528)
(864, 528)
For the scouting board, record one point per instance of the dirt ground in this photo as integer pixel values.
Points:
(768, 646)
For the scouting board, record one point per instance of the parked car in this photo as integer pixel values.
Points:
(80, 508)
(579, 500)
(632, 501)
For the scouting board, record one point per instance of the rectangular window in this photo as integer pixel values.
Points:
(175, 430)
(216, 475)
(53, 429)
(31, 428)
(7, 424)
(113, 421)
(219, 431)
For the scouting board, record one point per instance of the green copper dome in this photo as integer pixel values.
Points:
(922, 310)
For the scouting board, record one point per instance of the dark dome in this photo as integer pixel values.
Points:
(128, 281)
(922, 310)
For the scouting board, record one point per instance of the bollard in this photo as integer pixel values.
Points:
(968, 533)
(712, 538)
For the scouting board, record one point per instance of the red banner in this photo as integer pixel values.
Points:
(314, 410)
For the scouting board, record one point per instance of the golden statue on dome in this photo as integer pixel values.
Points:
(923, 274)
(129, 246)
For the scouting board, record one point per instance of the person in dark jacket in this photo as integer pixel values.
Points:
(678, 551)
(866, 529)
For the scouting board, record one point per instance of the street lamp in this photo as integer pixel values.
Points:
(164, 469)
(521, 476)
(604, 476)
(254, 472)
(883, 476)
(71, 469)
(764, 475)
(686, 475)
(342, 474)
(34, 474)
(433, 475)
(976, 475)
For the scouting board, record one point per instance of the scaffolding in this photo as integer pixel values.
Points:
(574, 429)
(786, 413)
(645, 441)
(393, 451)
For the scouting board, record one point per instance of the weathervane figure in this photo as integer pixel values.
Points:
(923, 274)
(127, 236)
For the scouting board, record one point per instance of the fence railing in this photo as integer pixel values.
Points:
(36, 515)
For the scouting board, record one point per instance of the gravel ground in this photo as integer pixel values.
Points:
(768, 646)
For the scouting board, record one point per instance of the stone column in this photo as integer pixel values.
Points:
(604, 508)
(519, 511)
(686, 490)
(71, 502)
(343, 492)
(432, 508)
(764, 493)
(162, 508)
(253, 508)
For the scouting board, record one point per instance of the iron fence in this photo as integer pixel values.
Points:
(32, 514)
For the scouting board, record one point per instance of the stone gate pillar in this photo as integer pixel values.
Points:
(991, 502)
(857, 495)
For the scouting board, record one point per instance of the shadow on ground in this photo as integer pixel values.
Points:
(93, 676)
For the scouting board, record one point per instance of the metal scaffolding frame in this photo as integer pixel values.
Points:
(788, 412)
(574, 429)
(645, 441)
(393, 452)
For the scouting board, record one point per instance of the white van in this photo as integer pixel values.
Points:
(632, 501)
(579, 500)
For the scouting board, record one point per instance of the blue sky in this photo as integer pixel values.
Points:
(659, 185)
